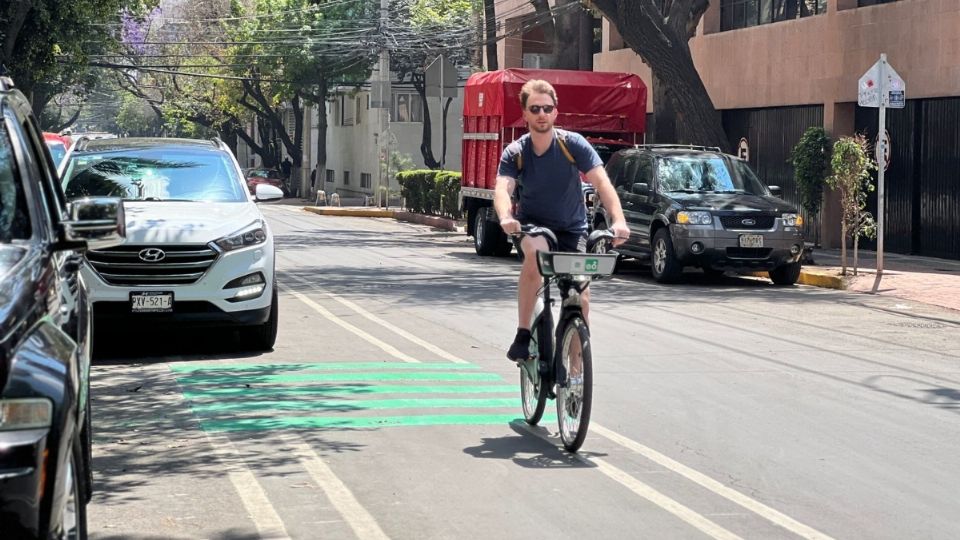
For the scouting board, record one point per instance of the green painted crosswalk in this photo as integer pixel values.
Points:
(344, 395)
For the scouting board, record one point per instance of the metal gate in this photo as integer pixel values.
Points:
(771, 135)
(923, 177)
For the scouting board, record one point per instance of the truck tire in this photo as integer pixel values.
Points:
(487, 236)
(664, 264)
(786, 274)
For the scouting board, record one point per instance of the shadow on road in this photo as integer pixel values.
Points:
(529, 449)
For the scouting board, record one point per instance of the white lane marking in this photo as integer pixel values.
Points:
(258, 506)
(643, 490)
(705, 481)
(399, 331)
(254, 499)
(389, 349)
(360, 520)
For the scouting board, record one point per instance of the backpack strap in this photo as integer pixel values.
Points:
(561, 141)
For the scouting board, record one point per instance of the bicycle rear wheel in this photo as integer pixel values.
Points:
(533, 393)
(575, 395)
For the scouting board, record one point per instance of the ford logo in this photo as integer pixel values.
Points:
(749, 222)
(152, 255)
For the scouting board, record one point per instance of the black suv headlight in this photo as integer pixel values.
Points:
(685, 217)
(250, 236)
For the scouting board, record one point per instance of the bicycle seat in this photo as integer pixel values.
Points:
(598, 236)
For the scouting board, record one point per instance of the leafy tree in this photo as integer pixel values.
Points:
(136, 118)
(293, 53)
(46, 43)
(811, 166)
(851, 178)
(425, 29)
(660, 33)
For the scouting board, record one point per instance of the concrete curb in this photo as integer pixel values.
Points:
(437, 222)
(814, 279)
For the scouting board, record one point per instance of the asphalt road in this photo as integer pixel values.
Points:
(724, 409)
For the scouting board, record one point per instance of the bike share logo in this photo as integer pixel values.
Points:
(591, 265)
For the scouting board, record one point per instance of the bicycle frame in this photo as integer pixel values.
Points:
(549, 365)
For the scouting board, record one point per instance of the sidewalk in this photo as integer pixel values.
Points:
(921, 279)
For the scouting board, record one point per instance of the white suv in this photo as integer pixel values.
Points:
(198, 250)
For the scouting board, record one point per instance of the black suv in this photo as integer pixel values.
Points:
(696, 206)
(45, 479)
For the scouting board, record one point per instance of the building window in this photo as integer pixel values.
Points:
(347, 107)
(359, 103)
(335, 111)
(407, 107)
(331, 176)
(366, 180)
(736, 14)
(346, 178)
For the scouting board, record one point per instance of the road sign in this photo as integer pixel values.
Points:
(441, 72)
(881, 83)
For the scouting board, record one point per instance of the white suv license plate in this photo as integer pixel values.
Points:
(151, 302)
(751, 240)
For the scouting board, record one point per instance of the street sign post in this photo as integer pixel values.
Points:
(881, 87)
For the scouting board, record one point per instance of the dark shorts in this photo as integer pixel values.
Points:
(570, 241)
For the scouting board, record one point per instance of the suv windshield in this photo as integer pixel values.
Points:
(712, 174)
(154, 175)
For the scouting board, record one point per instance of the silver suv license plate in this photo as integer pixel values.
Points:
(151, 302)
(751, 240)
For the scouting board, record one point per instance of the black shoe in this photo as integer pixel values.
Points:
(520, 349)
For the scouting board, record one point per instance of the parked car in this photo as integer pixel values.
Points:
(45, 427)
(696, 206)
(198, 250)
(58, 146)
(270, 177)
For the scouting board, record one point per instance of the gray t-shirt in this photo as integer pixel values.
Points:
(550, 193)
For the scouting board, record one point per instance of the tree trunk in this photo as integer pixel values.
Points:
(664, 129)
(585, 60)
(426, 142)
(322, 137)
(443, 154)
(566, 25)
(662, 41)
(843, 248)
(14, 15)
(70, 121)
(490, 31)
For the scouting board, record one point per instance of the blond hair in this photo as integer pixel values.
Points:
(538, 86)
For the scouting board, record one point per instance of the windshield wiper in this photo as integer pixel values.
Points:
(158, 199)
(684, 191)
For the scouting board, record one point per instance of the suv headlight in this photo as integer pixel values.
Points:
(250, 236)
(31, 413)
(694, 218)
(792, 220)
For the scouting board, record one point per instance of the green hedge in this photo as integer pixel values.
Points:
(431, 192)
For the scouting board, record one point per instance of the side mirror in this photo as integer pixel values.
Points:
(775, 191)
(266, 192)
(97, 222)
(640, 188)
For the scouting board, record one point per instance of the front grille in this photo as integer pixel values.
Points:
(748, 253)
(181, 264)
(736, 222)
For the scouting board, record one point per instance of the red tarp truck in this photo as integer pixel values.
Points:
(609, 109)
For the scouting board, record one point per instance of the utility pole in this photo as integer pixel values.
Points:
(383, 139)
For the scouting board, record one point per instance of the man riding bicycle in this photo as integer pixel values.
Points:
(547, 163)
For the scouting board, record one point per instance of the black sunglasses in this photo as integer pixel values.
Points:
(535, 109)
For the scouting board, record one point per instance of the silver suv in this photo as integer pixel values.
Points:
(696, 206)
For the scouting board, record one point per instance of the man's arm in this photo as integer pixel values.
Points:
(502, 203)
(608, 197)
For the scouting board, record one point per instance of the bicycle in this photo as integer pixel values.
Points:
(544, 374)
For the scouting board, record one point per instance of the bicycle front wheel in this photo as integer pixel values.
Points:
(533, 395)
(575, 394)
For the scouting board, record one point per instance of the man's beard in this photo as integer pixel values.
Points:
(544, 128)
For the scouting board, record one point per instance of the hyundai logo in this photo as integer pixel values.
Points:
(152, 255)
(749, 222)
